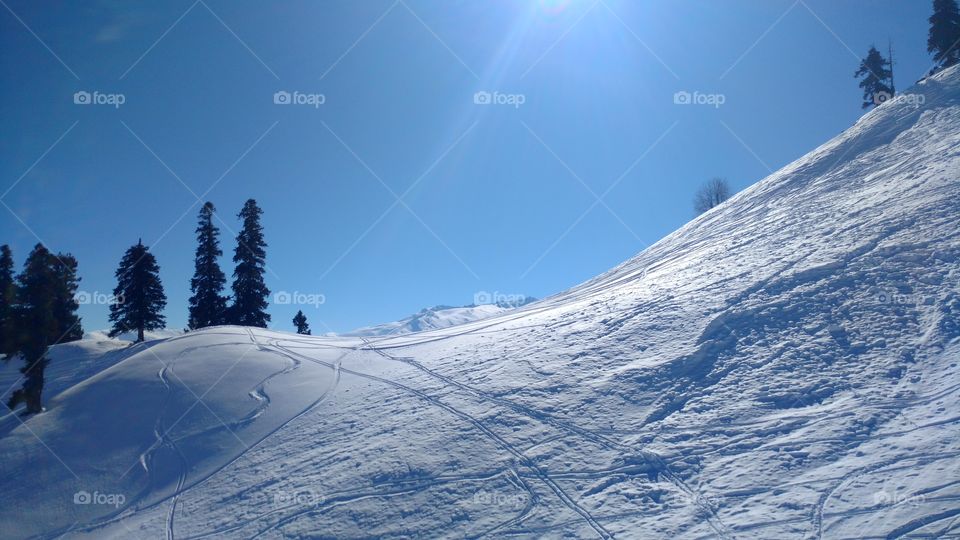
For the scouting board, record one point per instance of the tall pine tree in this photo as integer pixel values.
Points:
(249, 290)
(944, 39)
(7, 292)
(208, 306)
(877, 78)
(138, 298)
(65, 299)
(300, 321)
(45, 314)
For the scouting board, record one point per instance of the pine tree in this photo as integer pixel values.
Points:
(45, 313)
(7, 292)
(65, 298)
(944, 39)
(208, 306)
(875, 70)
(893, 87)
(138, 298)
(300, 321)
(249, 290)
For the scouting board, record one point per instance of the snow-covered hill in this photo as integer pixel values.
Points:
(435, 318)
(784, 366)
(149, 335)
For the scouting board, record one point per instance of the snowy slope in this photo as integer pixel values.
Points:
(433, 318)
(784, 366)
(69, 364)
(72, 363)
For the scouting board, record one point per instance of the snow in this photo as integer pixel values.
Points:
(69, 364)
(784, 366)
(148, 335)
(433, 318)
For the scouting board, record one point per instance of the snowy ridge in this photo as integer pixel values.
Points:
(784, 366)
(434, 318)
(149, 335)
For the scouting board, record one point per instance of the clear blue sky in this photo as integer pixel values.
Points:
(494, 197)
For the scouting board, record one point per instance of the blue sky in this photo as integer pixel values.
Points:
(399, 191)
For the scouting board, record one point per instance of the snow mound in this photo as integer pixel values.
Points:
(69, 364)
(784, 366)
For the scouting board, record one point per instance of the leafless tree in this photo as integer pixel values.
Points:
(710, 194)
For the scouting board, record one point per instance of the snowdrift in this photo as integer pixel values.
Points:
(784, 366)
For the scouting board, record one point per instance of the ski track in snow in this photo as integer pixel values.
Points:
(655, 461)
(567, 500)
(182, 474)
(164, 440)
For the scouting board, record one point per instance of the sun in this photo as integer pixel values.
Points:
(554, 7)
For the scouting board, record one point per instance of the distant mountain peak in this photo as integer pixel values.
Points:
(443, 316)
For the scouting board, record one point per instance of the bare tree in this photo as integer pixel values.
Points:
(712, 193)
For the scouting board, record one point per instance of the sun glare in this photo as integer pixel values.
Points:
(554, 7)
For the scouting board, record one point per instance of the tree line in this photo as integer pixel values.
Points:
(139, 300)
(38, 306)
(943, 42)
